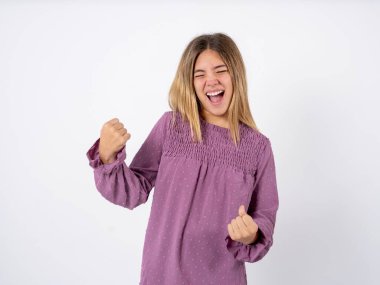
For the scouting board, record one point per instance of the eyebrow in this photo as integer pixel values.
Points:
(216, 67)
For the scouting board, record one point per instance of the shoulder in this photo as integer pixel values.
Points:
(174, 119)
(168, 116)
(165, 117)
(164, 121)
(255, 141)
(253, 136)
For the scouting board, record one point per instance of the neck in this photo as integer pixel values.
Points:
(220, 121)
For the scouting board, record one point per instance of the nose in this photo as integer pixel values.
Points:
(211, 81)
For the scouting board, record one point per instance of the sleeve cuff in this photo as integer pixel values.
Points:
(251, 252)
(96, 163)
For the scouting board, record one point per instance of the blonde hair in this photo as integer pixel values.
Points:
(182, 95)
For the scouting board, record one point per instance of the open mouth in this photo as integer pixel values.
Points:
(215, 97)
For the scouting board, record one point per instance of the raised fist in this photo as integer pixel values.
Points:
(113, 137)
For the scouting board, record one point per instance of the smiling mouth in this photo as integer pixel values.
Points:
(215, 98)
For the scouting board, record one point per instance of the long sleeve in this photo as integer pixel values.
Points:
(130, 186)
(263, 208)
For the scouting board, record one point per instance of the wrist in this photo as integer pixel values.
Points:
(107, 159)
(255, 238)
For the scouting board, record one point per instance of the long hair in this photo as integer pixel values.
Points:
(182, 94)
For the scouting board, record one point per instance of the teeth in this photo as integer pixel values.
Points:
(214, 93)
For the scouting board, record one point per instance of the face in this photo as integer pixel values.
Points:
(213, 86)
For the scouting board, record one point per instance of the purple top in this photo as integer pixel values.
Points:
(198, 191)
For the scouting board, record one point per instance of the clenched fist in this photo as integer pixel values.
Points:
(113, 137)
(243, 228)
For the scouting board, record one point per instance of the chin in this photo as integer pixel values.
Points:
(219, 113)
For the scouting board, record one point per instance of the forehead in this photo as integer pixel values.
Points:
(208, 57)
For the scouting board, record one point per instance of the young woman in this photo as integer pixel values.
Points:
(215, 200)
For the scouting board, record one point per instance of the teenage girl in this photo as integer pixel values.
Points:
(215, 200)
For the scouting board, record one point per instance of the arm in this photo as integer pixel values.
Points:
(263, 208)
(130, 186)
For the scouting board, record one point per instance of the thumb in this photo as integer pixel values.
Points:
(242, 211)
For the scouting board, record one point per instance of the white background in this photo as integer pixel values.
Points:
(67, 67)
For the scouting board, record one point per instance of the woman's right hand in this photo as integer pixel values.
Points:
(113, 137)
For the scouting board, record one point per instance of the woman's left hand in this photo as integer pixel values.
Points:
(243, 228)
